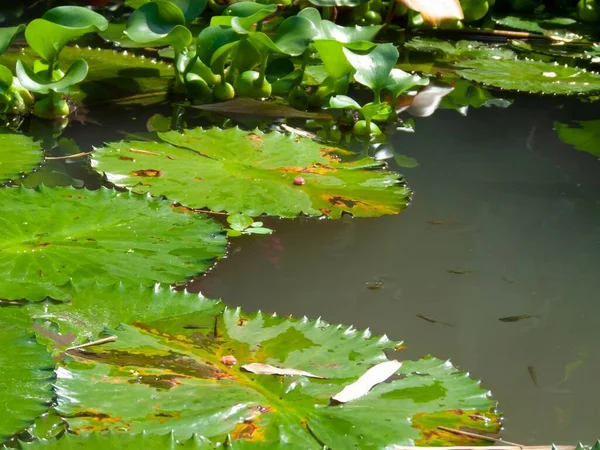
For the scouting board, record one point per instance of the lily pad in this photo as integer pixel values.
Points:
(49, 237)
(530, 76)
(584, 137)
(455, 51)
(18, 154)
(184, 374)
(26, 376)
(253, 173)
(122, 441)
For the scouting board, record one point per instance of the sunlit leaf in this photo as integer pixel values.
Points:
(292, 38)
(7, 35)
(176, 374)
(18, 154)
(49, 34)
(434, 12)
(329, 30)
(121, 441)
(456, 51)
(37, 83)
(253, 173)
(530, 76)
(49, 237)
(26, 376)
(585, 136)
(373, 68)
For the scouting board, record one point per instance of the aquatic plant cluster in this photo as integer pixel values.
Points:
(103, 347)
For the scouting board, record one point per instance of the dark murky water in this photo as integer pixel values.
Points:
(515, 212)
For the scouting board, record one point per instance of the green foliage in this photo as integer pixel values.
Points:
(253, 173)
(18, 154)
(584, 137)
(243, 224)
(7, 36)
(26, 376)
(50, 237)
(178, 374)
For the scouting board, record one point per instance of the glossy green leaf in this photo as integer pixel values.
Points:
(36, 82)
(49, 34)
(339, 3)
(190, 8)
(584, 137)
(373, 68)
(561, 27)
(7, 36)
(18, 154)
(344, 102)
(112, 76)
(253, 173)
(159, 23)
(400, 82)
(121, 441)
(329, 30)
(334, 58)
(211, 39)
(26, 376)
(49, 237)
(239, 221)
(242, 15)
(530, 76)
(177, 374)
(6, 78)
(292, 38)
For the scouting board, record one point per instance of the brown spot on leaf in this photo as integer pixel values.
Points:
(458, 419)
(337, 201)
(255, 139)
(42, 244)
(161, 382)
(152, 173)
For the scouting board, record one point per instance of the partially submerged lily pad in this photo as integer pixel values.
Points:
(175, 374)
(455, 51)
(26, 376)
(49, 237)
(18, 154)
(253, 173)
(530, 76)
(585, 136)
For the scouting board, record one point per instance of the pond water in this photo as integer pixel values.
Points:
(505, 221)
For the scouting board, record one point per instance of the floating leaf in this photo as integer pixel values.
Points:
(49, 34)
(123, 441)
(26, 376)
(456, 51)
(50, 236)
(530, 76)
(258, 108)
(18, 154)
(584, 137)
(407, 162)
(253, 173)
(167, 375)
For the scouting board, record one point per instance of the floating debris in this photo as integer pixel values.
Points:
(519, 317)
(432, 320)
(459, 271)
(374, 285)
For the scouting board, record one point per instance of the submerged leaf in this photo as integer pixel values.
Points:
(584, 137)
(18, 154)
(253, 173)
(26, 376)
(167, 375)
(49, 237)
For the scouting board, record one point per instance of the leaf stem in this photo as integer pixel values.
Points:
(90, 344)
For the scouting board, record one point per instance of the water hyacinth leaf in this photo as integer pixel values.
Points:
(122, 441)
(400, 82)
(49, 34)
(585, 136)
(334, 59)
(6, 78)
(82, 317)
(147, 378)
(253, 173)
(292, 38)
(241, 16)
(190, 8)
(344, 102)
(38, 83)
(26, 376)
(18, 154)
(7, 36)
(159, 23)
(339, 3)
(326, 29)
(211, 39)
(530, 76)
(49, 237)
(373, 68)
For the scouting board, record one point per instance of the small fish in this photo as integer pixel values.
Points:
(432, 320)
(518, 317)
(374, 285)
(533, 375)
(436, 222)
(459, 271)
(507, 280)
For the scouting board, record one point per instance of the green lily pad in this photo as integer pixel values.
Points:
(530, 76)
(18, 154)
(122, 441)
(584, 137)
(49, 237)
(253, 173)
(447, 50)
(26, 376)
(184, 374)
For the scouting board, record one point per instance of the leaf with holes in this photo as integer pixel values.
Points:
(171, 374)
(530, 76)
(49, 237)
(18, 154)
(253, 173)
(26, 376)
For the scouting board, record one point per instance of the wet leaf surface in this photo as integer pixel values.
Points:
(18, 154)
(253, 173)
(585, 136)
(166, 375)
(49, 237)
(26, 376)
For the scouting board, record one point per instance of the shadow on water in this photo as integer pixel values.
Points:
(505, 221)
